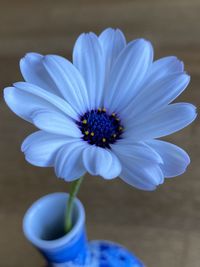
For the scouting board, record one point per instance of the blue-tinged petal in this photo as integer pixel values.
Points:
(137, 151)
(24, 99)
(140, 173)
(175, 159)
(162, 68)
(127, 74)
(165, 121)
(34, 72)
(88, 58)
(69, 82)
(142, 178)
(100, 161)
(112, 42)
(156, 95)
(56, 123)
(68, 163)
(40, 148)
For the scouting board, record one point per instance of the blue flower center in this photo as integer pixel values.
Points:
(100, 128)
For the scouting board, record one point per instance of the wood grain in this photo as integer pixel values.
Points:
(161, 227)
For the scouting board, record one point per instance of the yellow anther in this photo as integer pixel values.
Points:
(117, 119)
(104, 110)
(121, 128)
(92, 134)
(113, 114)
(114, 135)
(99, 109)
(104, 140)
(86, 132)
(84, 121)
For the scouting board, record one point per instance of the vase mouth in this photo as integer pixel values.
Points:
(35, 221)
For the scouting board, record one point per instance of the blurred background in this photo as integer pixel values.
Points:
(161, 227)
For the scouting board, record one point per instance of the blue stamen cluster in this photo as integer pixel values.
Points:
(100, 128)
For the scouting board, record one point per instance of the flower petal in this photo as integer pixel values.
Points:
(54, 122)
(140, 174)
(34, 72)
(140, 165)
(68, 163)
(175, 159)
(25, 98)
(156, 95)
(165, 121)
(128, 72)
(69, 81)
(162, 68)
(40, 148)
(137, 150)
(112, 42)
(88, 58)
(99, 161)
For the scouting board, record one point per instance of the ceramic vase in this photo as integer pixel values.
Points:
(43, 226)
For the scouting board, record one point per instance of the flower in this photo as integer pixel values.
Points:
(104, 113)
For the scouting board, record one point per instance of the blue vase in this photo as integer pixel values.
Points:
(43, 226)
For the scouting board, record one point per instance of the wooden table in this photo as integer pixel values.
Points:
(163, 227)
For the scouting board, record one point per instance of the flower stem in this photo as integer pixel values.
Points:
(73, 193)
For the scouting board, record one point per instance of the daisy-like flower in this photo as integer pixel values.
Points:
(103, 113)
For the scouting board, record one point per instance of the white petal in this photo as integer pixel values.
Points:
(99, 161)
(162, 68)
(68, 163)
(175, 159)
(136, 150)
(25, 98)
(128, 72)
(88, 58)
(34, 72)
(140, 174)
(112, 42)
(69, 81)
(54, 122)
(167, 120)
(156, 95)
(40, 148)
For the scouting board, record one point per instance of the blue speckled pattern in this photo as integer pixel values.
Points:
(108, 254)
(104, 254)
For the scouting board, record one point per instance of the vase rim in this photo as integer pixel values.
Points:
(50, 244)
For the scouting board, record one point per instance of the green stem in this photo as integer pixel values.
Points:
(73, 193)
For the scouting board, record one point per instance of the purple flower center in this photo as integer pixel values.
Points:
(100, 128)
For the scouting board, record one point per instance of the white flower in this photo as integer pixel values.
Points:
(103, 113)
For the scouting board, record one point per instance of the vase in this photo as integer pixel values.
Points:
(43, 226)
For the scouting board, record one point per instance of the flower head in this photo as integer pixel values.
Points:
(103, 113)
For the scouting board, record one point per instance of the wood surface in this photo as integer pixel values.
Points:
(161, 227)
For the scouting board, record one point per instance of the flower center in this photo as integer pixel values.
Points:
(100, 128)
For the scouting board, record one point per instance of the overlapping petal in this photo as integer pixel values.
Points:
(112, 42)
(24, 99)
(167, 120)
(68, 161)
(128, 72)
(89, 60)
(69, 82)
(138, 150)
(175, 159)
(156, 95)
(55, 122)
(140, 166)
(34, 71)
(100, 161)
(162, 68)
(40, 148)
